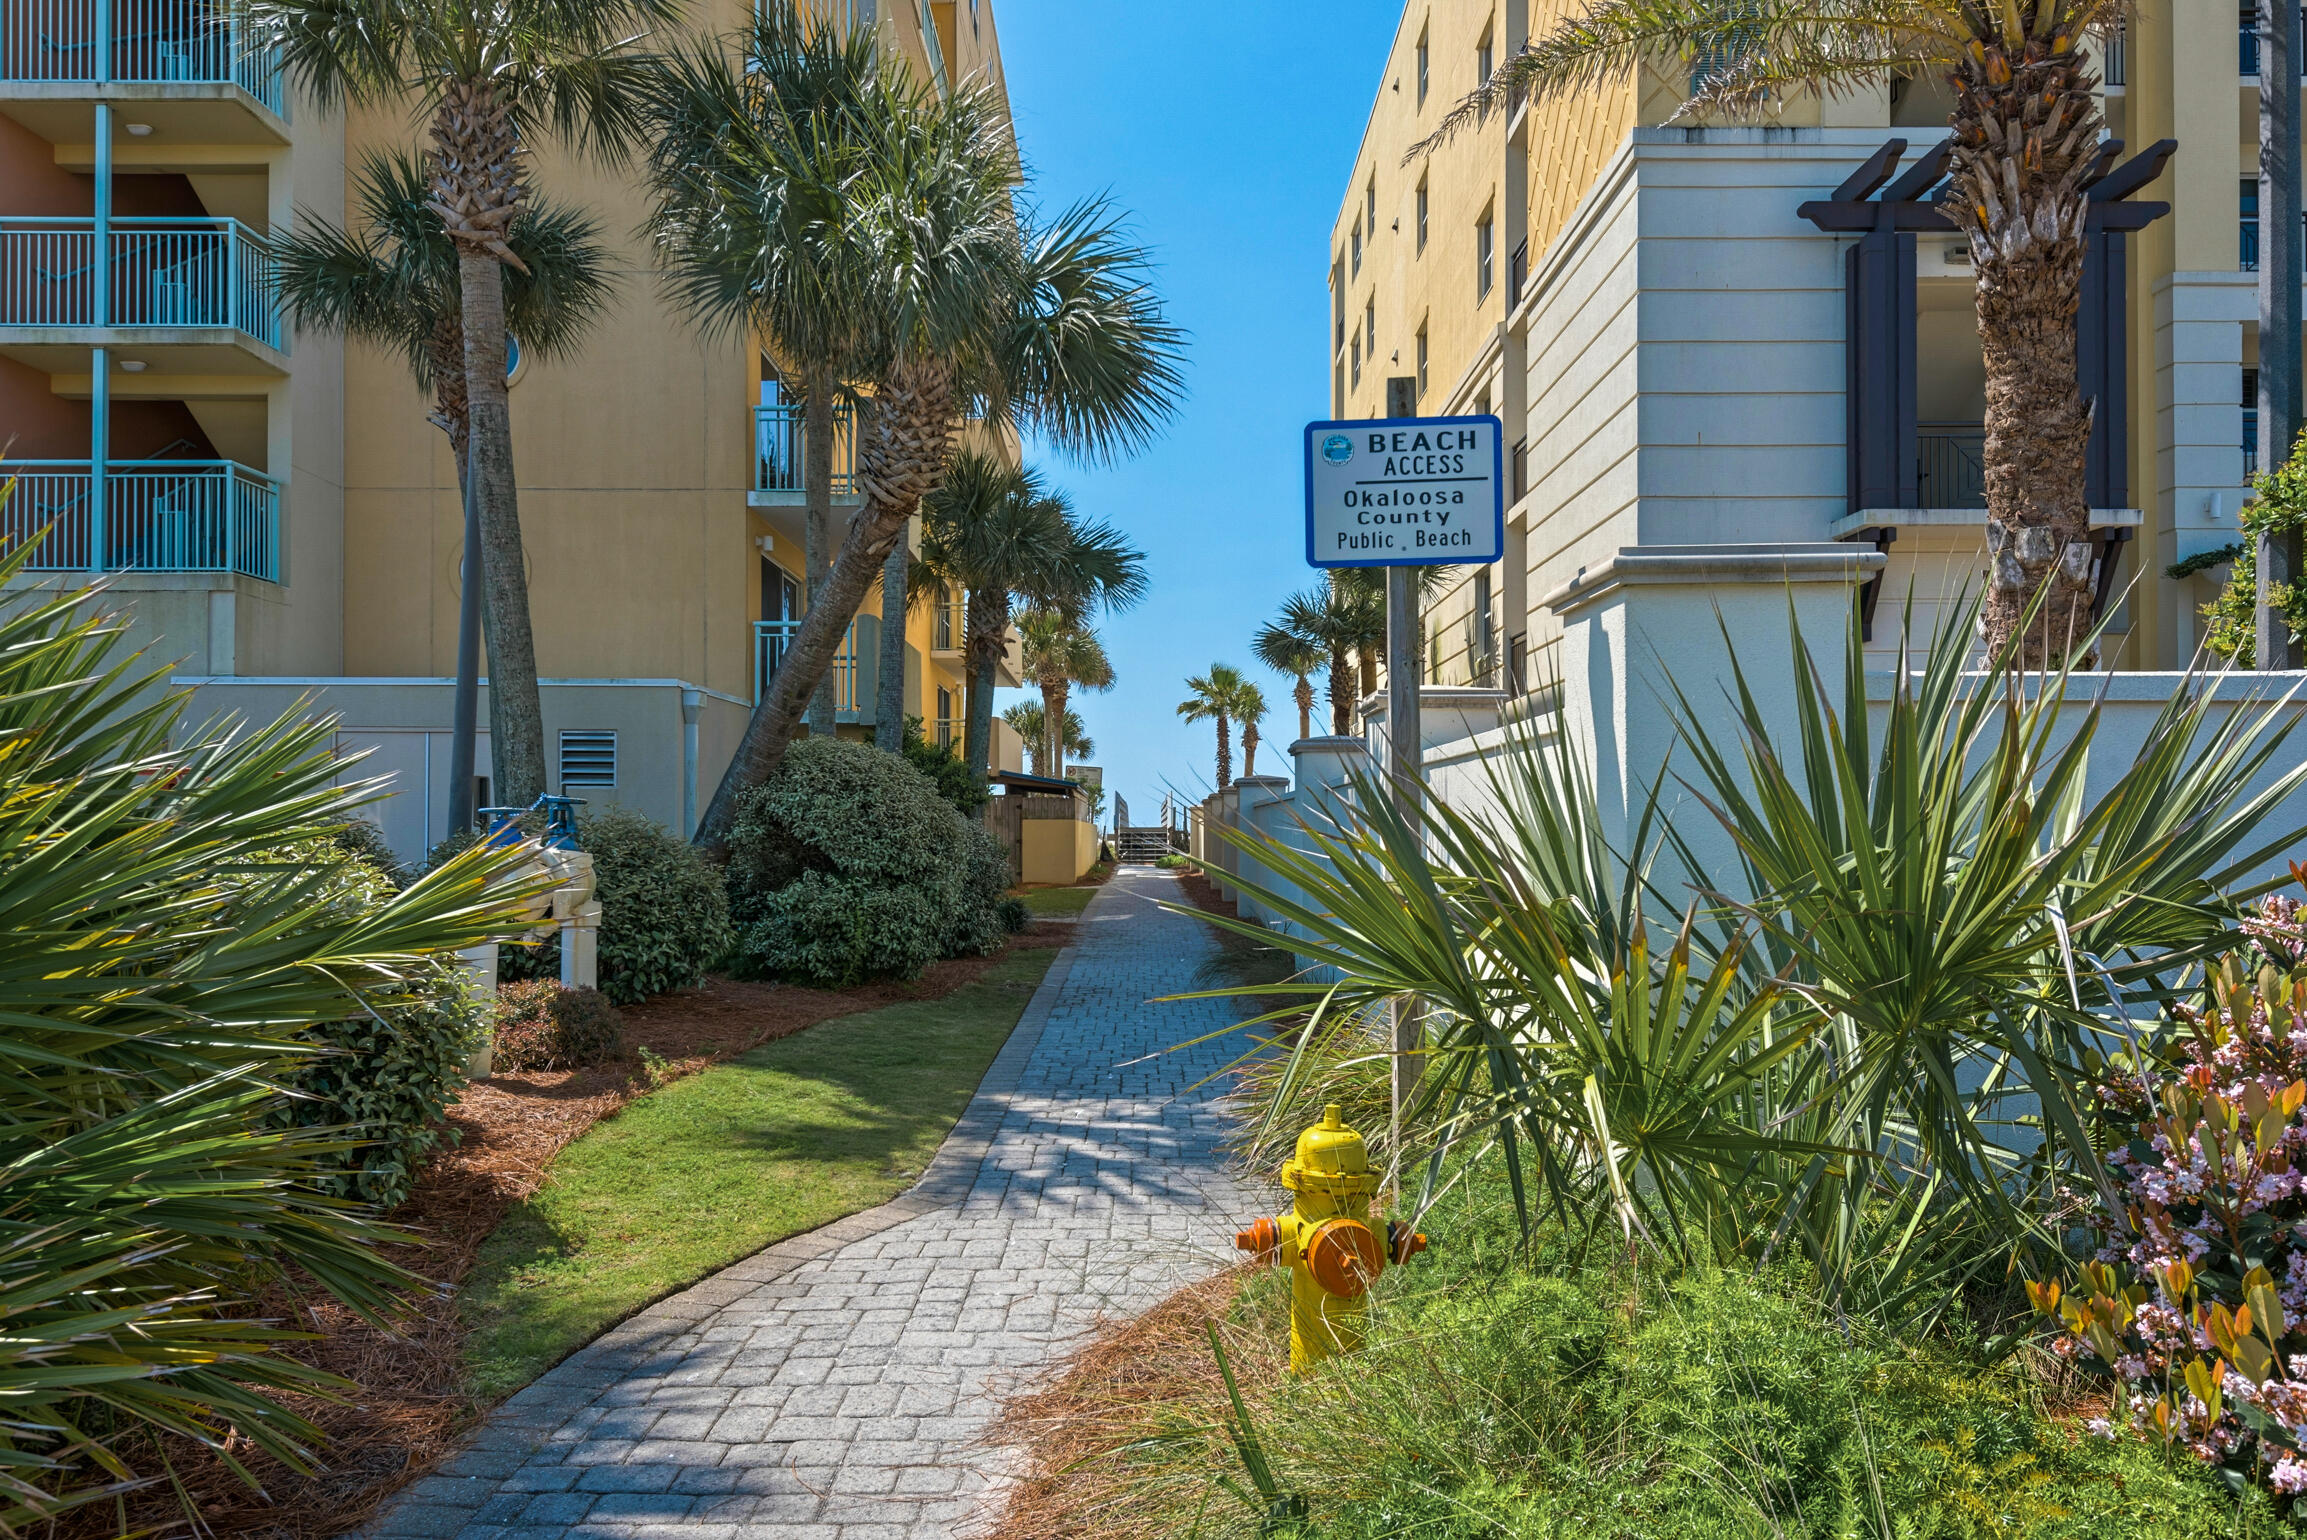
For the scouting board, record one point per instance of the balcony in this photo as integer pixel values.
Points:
(2247, 41)
(172, 276)
(779, 478)
(159, 516)
(853, 671)
(190, 54)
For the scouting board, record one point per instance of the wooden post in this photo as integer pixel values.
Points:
(2280, 237)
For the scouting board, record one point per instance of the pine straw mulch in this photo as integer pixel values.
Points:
(408, 1406)
(1135, 1380)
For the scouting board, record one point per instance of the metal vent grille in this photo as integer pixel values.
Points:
(588, 758)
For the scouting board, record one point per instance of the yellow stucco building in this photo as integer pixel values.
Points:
(287, 518)
(1676, 345)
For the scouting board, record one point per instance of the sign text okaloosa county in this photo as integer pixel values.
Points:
(1421, 491)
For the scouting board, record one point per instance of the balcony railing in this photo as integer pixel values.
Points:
(1952, 466)
(161, 272)
(159, 516)
(2114, 56)
(778, 451)
(771, 640)
(949, 732)
(189, 42)
(2247, 40)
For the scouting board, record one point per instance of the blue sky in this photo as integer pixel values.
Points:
(1228, 129)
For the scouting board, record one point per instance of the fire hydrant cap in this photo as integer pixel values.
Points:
(1330, 1148)
(1344, 1257)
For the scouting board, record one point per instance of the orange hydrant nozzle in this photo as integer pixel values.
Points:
(1262, 1240)
(1402, 1242)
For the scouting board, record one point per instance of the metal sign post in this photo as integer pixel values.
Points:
(1404, 492)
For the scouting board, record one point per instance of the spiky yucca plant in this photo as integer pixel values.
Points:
(2026, 127)
(159, 969)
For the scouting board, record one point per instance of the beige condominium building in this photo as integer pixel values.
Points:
(1702, 335)
(272, 507)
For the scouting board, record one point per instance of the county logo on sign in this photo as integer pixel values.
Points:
(1337, 449)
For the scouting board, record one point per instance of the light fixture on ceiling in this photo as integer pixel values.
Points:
(139, 130)
(132, 366)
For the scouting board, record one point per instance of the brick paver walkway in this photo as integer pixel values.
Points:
(838, 1385)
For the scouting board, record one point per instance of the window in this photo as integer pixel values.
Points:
(1421, 363)
(1355, 358)
(1485, 254)
(1357, 248)
(1482, 403)
(944, 717)
(1485, 58)
(1370, 327)
(941, 639)
(2250, 422)
(2248, 198)
(1370, 200)
(588, 757)
(1421, 215)
(1422, 74)
(1484, 663)
(1338, 304)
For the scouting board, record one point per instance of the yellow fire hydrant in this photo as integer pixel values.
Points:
(1326, 1242)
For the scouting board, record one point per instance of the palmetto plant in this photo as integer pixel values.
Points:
(1001, 535)
(1059, 653)
(757, 200)
(1215, 697)
(1051, 327)
(1026, 716)
(2026, 130)
(1286, 652)
(392, 281)
(492, 78)
(1874, 1040)
(159, 969)
(1343, 621)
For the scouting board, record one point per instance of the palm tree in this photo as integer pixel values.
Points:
(1060, 653)
(493, 77)
(1287, 652)
(753, 172)
(1249, 711)
(1000, 535)
(1213, 699)
(1026, 716)
(394, 284)
(2026, 133)
(1052, 328)
(1343, 620)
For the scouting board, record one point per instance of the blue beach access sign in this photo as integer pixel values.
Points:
(1405, 492)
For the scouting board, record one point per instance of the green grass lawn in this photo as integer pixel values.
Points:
(1063, 903)
(711, 1169)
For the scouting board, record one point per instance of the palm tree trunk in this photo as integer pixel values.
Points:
(1225, 752)
(1249, 748)
(983, 626)
(516, 717)
(1053, 699)
(1305, 696)
(449, 412)
(1342, 695)
(901, 455)
(817, 528)
(2026, 132)
(889, 698)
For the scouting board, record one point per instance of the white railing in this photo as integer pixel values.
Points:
(159, 516)
(192, 42)
(778, 463)
(771, 640)
(159, 272)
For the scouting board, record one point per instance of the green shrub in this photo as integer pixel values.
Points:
(664, 910)
(1013, 914)
(1505, 1395)
(540, 1025)
(848, 865)
(388, 1073)
(2278, 506)
(1171, 863)
(363, 840)
(946, 769)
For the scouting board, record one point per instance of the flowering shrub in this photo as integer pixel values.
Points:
(2208, 1338)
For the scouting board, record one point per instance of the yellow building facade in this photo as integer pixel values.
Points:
(290, 519)
(1668, 339)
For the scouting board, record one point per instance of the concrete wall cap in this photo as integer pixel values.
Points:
(1261, 780)
(1694, 566)
(1327, 744)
